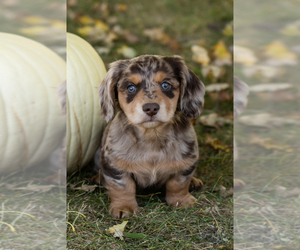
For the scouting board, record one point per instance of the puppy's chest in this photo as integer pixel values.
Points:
(152, 162)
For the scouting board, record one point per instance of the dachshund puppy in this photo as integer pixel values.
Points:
(150, 142)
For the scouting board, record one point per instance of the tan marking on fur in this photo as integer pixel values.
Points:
(177, 192)
(159, 76)
(123, 201)
(135, 78)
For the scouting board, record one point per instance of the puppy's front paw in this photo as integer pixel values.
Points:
(121, 210)
(178, 202)
(195, 185)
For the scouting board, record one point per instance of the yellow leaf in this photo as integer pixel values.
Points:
(85, 31)
(278, 50)
(244, 55)
(290, 30)
(101, 25)
(227, 31)
(157, 34)
(33, 31)
(114, 228)
(35, 20)
(200, 55)
(221, 52)
(127, 52)
(86, 20)
(58, 24)
(223, 56)
(121, 7)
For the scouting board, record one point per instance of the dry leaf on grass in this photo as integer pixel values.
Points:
(244, 55)
(269, 143)
(266, 120)
(278, 54)
(212, 71)
(127, 52)
(87, 188)
(228, 30)
(215, 143)
(36, 188)
(262, 71)
(292, 29)
(216, 87)
(224, 192)
(222, 96)
(200, 55)
(213, 120)
(117, 230)
(269, 87)
(222, 55)
(282, 191)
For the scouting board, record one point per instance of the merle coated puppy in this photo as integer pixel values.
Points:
(150, 141)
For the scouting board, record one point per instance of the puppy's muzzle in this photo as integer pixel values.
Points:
(151, 109)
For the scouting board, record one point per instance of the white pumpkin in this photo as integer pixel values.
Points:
(85, 71)
(31, 123)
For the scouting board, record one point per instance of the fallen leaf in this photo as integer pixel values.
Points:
(101, 25)
(213, 120)
(121, 7)
(87, 188)
(266, 120)
(268, 143)
(269, 87)
(34, 30)
(244, 55)
(284, 192)
(222, 55)
(278, 54)
(119, 234)
(261, 71)
(35, 20)
(200, 55)
(213, 70)
(127, 52)
(292, 29)
(86, 20)
(224, 192)
(36, 188)
(215, 143)
(114, 228)
(228, 31)
(221, 96)
(157, 34)
(216, 87)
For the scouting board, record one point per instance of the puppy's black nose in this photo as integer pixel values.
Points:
(151, 109)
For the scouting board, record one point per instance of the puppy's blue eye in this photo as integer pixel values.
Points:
(131, 89)
(165, 86)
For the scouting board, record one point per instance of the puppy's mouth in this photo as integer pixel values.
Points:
(152, 123)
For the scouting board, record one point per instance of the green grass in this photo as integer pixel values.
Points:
(209, 224)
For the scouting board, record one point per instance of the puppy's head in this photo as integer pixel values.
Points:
(150, 89)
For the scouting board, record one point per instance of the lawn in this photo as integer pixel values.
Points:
(165, 28)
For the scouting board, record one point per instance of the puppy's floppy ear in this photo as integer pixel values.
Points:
(192, 89)
(107, 89)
